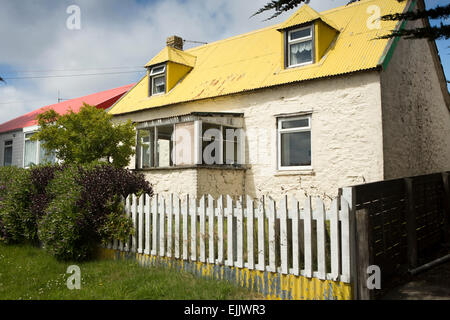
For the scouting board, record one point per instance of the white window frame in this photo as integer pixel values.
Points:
(292, 130)
(290, 42)
(32, 130)
(155, 75)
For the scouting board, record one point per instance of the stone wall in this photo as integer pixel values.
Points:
(416, 120)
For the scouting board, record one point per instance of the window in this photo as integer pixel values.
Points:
(7, 156)
(188, 143)
(35, 153)
(158, 80)
(294, 143)
(299, 47)
(160, 156)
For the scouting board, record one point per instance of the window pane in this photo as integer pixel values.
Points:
(300, 52)
(30, 153)
(45, 156)
(296, 149)
(300, 34)
(164, 146)
(7, 161)
(157, 70)
(145, 154)
(159, 85)
(299, 123)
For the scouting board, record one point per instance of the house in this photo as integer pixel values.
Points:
(16, 148)
(303, 107)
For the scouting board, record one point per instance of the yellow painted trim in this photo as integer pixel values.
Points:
(273, 286)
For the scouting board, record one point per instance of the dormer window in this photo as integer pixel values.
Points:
(300, 46)
(158, 80)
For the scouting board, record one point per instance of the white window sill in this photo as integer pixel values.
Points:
(295, 172)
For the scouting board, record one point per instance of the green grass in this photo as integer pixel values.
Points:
(31, 273)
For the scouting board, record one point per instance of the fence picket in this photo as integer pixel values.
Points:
(307, 272)
(272, 241)
(169, 226)
(294, 215)
(250, 219)
(155, 225)
(345, 240)
(334, 240)
(240, 233)
(147, 224)
(177, 206)
(134, 220)
(284, 236)
(162, 220)
(319, 216)
(128, 214)
(141, 225)
(185, 212)
(202, 212)
(220, 241)
(261, 231)
(193, 214)
(229, 214)
(211, 229)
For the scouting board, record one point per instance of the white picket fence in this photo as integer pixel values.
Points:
(258, 235)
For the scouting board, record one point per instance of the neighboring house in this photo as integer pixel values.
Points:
(16, 148)
(322, 104)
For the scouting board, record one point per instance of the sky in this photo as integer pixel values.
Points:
(115, 38)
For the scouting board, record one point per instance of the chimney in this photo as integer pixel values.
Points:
(175, 42)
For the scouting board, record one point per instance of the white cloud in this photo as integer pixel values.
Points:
(113, 33)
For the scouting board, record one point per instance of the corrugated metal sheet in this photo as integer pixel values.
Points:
(305, 15)
(174, 55)
(101, 100)
(254, 60)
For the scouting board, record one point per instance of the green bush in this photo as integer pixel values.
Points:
(17, 221)
(60, 230)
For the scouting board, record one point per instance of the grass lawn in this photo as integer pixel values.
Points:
(30, 273)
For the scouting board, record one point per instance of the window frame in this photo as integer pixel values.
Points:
(289, 42)
(154, 75)
(31, 132)
(281, 131)
(197, 148)
(7, 144)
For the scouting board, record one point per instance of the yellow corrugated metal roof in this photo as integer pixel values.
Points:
(254, 60)
(174, 55)
(304, 15)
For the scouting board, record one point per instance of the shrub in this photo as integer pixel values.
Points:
(86, 208)
(17, 222)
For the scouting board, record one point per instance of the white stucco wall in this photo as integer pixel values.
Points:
(416, 120)
(346, 136)
(17, 138)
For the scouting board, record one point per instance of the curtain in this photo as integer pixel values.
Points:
(30, 153)
(301, 52)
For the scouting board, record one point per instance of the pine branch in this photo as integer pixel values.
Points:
(432, 33)
(2, 80)
(435, 13)
(279, 6)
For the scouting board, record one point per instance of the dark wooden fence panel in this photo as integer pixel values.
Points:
(408, 221)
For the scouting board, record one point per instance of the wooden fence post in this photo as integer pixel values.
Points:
(364, 253)
(446, 195)
(411, 224)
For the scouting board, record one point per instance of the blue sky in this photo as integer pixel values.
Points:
(116, 36)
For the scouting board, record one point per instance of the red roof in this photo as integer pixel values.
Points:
(101, 100)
